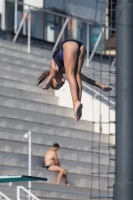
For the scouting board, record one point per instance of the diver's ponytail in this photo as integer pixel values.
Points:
(43, 76)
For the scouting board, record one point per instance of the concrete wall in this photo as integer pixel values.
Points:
(1, 4)
(93, 109)
(85, 9)
(38, 3)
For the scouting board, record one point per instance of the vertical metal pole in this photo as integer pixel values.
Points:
(49, 197)
(29, 30)
(15, 20)
(18, 193)
(29, 141)
(3, 15)
(123, 188)
(88, 44)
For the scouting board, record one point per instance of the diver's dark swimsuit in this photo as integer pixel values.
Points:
(47, 167)
(58, 54)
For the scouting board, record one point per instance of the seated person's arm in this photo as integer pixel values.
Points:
(56, 160)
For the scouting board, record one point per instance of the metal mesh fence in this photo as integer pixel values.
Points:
(106, 73)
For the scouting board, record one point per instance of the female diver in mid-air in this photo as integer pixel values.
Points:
(68, 58)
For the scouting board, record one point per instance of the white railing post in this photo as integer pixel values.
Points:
(61, 32)
(29, 30)
(28, 136)
(29, 139)
(20, 26)
(18, 193)
(49, 195)
(26, 191)
(97, 42)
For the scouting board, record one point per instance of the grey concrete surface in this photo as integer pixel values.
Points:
(26, 107)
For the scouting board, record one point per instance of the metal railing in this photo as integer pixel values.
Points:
(63, 15)
(27, 12)
(60, 34)
(66, 18)
(26, 191)
(3, 195)
(58, 14)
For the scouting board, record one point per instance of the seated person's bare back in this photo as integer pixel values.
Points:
(52, 163)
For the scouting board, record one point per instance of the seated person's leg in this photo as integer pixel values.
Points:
(57, 169)
(65, 178)
(62, 173)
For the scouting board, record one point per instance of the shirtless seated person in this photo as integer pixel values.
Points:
(52, 163)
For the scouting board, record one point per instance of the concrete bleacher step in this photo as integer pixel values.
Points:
(72, 166)
(23, 107)
(24, 86)
(55, 198)
(53, 131)
(26, 95)
(85, 180)
(24, 78)
(36, 107)
(63, 153)
(60, 195)
(23, 55)
(41, 118)
(75, 167)
(30, 105)
(17, 76)
(63, 192)
(40, 55)
(23, 48)
(48, 54)
(45, 53)
(64, 141)
(21, 69)
(85, 70)
(24, 62)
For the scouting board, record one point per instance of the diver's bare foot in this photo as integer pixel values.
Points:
(106, 88)
(68, 184)
(78, 110)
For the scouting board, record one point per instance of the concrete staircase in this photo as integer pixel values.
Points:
(23, 106)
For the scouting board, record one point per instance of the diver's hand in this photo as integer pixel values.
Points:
(46, 86)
